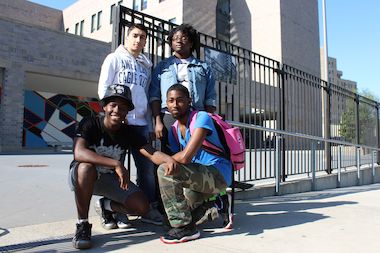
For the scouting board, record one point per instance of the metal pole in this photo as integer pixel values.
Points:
(373, 166)
(313, 166)
(116, 28)
(339, 165)
(325, 51)
(283, 115)
(378, 132)
(358, 165)
(278, 164)
(325, 93)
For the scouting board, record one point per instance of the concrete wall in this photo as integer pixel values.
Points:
(256, 25)
(31, 13)
(84, 9)
(278, 30)
(201, 14)
(63, 62)
(167, 10)
(300, 35)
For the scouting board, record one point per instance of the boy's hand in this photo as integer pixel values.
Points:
(159, 129)
(172, 167)
(123, 175)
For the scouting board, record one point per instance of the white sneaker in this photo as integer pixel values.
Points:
(122, 220)
(153, 216)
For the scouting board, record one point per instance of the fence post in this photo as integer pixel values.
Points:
(278, 164)
(378, 132)
(282, 71)
(357, 98)
(339, 165)
(313, 165)
(116, 28)
(373, 166)
(327, 128)
(358, 164)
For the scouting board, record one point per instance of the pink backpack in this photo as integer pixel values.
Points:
(230, 137)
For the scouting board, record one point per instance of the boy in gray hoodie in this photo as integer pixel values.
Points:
(129, 66)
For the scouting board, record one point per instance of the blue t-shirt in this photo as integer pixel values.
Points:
(203, 120)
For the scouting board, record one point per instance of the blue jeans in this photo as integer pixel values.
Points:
(146, 176)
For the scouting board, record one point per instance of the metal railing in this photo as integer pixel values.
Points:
(313, 166)
(258, 91)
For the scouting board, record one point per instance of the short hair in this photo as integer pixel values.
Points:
(138, 26)
(189, 31)
(179, 87)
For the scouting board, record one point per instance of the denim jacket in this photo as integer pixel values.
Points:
(201, 82)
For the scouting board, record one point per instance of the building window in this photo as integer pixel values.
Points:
(99, 19)
(223, 17)
(67, 30)
(76, 28)
(137, 5)
(81, 28)
(111, 12)
(173, 20)
(93, 20)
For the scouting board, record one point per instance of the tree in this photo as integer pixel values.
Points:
(367, 120)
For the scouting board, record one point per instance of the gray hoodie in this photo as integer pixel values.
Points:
(122, 68)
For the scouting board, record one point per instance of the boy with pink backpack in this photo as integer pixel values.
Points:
(202, 173)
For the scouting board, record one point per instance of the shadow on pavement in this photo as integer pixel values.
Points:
(100, 242)
(252, 218)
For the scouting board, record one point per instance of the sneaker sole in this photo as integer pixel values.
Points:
(123, 225)
(183, 239)
(81, 244)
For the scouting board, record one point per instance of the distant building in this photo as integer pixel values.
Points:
(339, 103)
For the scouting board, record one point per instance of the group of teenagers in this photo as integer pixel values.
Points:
(173, 183)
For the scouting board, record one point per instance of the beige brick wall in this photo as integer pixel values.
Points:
(31, 13)
(63, 62)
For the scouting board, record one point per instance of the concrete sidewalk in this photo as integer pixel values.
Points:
(38, 215)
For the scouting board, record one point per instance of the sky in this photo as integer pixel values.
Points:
(353, 38)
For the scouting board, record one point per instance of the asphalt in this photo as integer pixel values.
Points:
(37, 214)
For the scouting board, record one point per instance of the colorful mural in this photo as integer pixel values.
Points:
(50, 119)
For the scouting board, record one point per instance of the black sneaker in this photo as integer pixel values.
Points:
(106, 218)
(82, 238)
(181, 234)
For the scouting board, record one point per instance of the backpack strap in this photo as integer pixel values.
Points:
(206, 145)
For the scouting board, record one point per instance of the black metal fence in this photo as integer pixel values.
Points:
(255, 89)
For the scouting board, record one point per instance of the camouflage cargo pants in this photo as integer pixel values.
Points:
(187, 190)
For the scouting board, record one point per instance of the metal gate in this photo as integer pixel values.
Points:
(255, 89)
